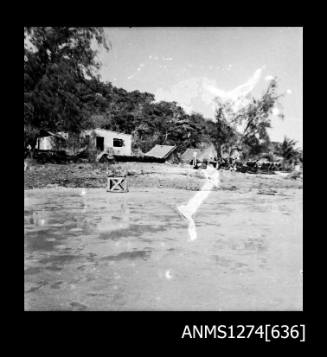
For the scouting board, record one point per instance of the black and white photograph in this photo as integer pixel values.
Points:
(163, 168)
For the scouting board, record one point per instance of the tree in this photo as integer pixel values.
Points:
(60, 78)
(287, 150)
(256, 119)
(248, 125)
(223, 134)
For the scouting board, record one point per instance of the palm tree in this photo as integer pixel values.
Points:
(287, 149)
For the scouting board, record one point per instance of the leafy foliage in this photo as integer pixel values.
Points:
(287, 150)
(223, 134)
(247, 126)
(256, 118)
(60, 85)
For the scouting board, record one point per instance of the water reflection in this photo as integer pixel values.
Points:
(116, 217)
(116, 251)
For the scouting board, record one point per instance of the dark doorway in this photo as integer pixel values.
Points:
(100, 143)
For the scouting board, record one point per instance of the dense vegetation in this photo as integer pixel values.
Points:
(62, 92)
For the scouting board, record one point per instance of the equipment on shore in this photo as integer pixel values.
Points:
(117, 180)
(106, 156)
(117, 184)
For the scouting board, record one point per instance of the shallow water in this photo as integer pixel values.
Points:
(131, 251)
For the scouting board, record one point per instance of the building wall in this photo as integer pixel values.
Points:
(173, 158)
(48, 142)
(109, 137)
(45, 143)
(208, 153)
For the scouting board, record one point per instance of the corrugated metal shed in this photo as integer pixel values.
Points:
(161, 151)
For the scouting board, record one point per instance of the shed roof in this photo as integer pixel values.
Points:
(44, 133)
(160, 151)
(97, 131)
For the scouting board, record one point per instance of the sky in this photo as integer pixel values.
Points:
(194, 65)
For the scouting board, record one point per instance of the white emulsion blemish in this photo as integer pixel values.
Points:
(188, 210)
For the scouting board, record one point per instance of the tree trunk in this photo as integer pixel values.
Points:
(218, 148)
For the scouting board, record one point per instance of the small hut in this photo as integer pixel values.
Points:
(207, 153)
(49, 141)
(166, 153)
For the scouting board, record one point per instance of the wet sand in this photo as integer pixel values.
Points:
(131, 251)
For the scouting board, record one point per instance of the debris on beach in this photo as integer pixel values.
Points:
(267, 192)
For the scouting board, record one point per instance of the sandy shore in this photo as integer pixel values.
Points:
(147, 175)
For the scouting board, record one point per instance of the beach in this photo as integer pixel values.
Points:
(88, 249)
